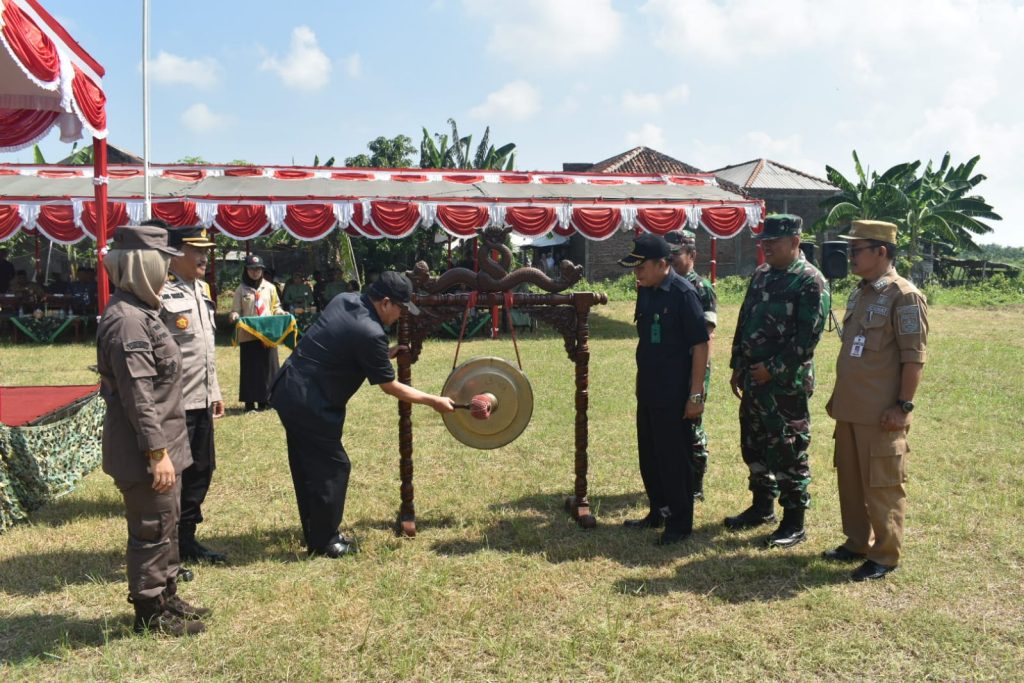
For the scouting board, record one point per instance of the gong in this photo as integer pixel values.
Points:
(512, 404)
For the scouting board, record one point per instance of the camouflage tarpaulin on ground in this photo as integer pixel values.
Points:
(40, 464)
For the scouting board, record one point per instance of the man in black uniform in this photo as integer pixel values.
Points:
(346, 345)
(671, 356)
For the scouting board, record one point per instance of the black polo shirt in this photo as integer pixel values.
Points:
(345, 346)
(670, 322)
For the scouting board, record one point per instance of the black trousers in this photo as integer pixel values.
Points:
(195, 479)
(663, 440)
(320, 469)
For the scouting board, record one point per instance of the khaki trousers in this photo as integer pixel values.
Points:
(152, 556)
(871, 468)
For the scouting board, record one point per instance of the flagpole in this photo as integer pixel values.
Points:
(145, 107)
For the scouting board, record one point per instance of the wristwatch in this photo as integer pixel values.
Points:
(905, 406)
(157, 454)
(696, 398)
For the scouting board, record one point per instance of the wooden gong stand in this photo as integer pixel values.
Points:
(567, 313)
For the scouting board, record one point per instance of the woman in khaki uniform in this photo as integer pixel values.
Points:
(145, 443)
(257, 364)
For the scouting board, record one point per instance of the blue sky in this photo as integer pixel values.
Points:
(710, 82)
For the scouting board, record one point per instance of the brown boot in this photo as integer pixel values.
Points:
(152, 615)
(178, 607)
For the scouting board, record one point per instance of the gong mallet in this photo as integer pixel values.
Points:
(481, 406)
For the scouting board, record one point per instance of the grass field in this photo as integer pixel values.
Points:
(500, 585)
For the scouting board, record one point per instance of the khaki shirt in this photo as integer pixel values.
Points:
(140, 381)
(244, 304)
(892, 317)
(187, 311)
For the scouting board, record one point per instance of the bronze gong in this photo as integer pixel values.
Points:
(511, 411)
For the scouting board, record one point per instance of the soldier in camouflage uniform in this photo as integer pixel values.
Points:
(684, 253)
(780, 323)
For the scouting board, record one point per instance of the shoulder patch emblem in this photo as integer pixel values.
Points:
(138, 345)
(181, 322)
(909, 319)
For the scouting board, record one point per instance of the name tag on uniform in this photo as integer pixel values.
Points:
(857, 350)
(656, 330)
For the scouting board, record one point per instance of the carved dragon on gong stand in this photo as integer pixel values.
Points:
(494, 275)
(445, 298)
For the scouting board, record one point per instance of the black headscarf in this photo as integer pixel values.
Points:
(249, 281)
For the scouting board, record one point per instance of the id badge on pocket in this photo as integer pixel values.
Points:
(656, 330)
(857, 350)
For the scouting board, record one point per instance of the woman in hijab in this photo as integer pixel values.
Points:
(258, 364)
(145, 443)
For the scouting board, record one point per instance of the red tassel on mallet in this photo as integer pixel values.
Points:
(481, 406)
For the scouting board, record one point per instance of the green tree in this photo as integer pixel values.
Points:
(195, 160)
(385, 152)
(436, 152)
(935, 206)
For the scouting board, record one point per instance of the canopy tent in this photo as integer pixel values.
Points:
(245, 202)
(47, 80)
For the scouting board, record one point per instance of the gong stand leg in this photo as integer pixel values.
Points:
(579, 506)
(406, 522)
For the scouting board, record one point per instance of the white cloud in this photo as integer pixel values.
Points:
(353, 65)
(172, 69)
(305, 67)
(649, 135)
(549, 32)
(516, 101)
(654, 103)
(199, 119)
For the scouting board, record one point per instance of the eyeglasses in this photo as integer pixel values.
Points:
(853, 252)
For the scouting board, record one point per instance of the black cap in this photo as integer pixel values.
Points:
(142, 237)
(196, 235)
(395, 287)
(254, 261)
(646, 246)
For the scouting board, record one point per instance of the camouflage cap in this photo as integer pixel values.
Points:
(871, 230)
(677, 239)
(781, 225)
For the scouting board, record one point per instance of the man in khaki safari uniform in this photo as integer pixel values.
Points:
(880, 364)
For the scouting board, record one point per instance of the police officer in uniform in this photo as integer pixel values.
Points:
(671, 356)
(885, 333)
(683, 244)
(780, 323)
(345, 346)
(188, 312)
(145, 442)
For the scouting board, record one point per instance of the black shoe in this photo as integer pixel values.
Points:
(698, 495)
(152, 615)
(250, 407)
(185, 574)
(790, 531)
(671, 537)
(192, 550)
(749, 518)
(871, 570)
(334, 550)
(842, 554)
(653, 520)
(185, 610)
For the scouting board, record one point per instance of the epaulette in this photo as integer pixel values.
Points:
(206, 289)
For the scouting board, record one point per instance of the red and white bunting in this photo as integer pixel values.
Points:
(67, 90)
